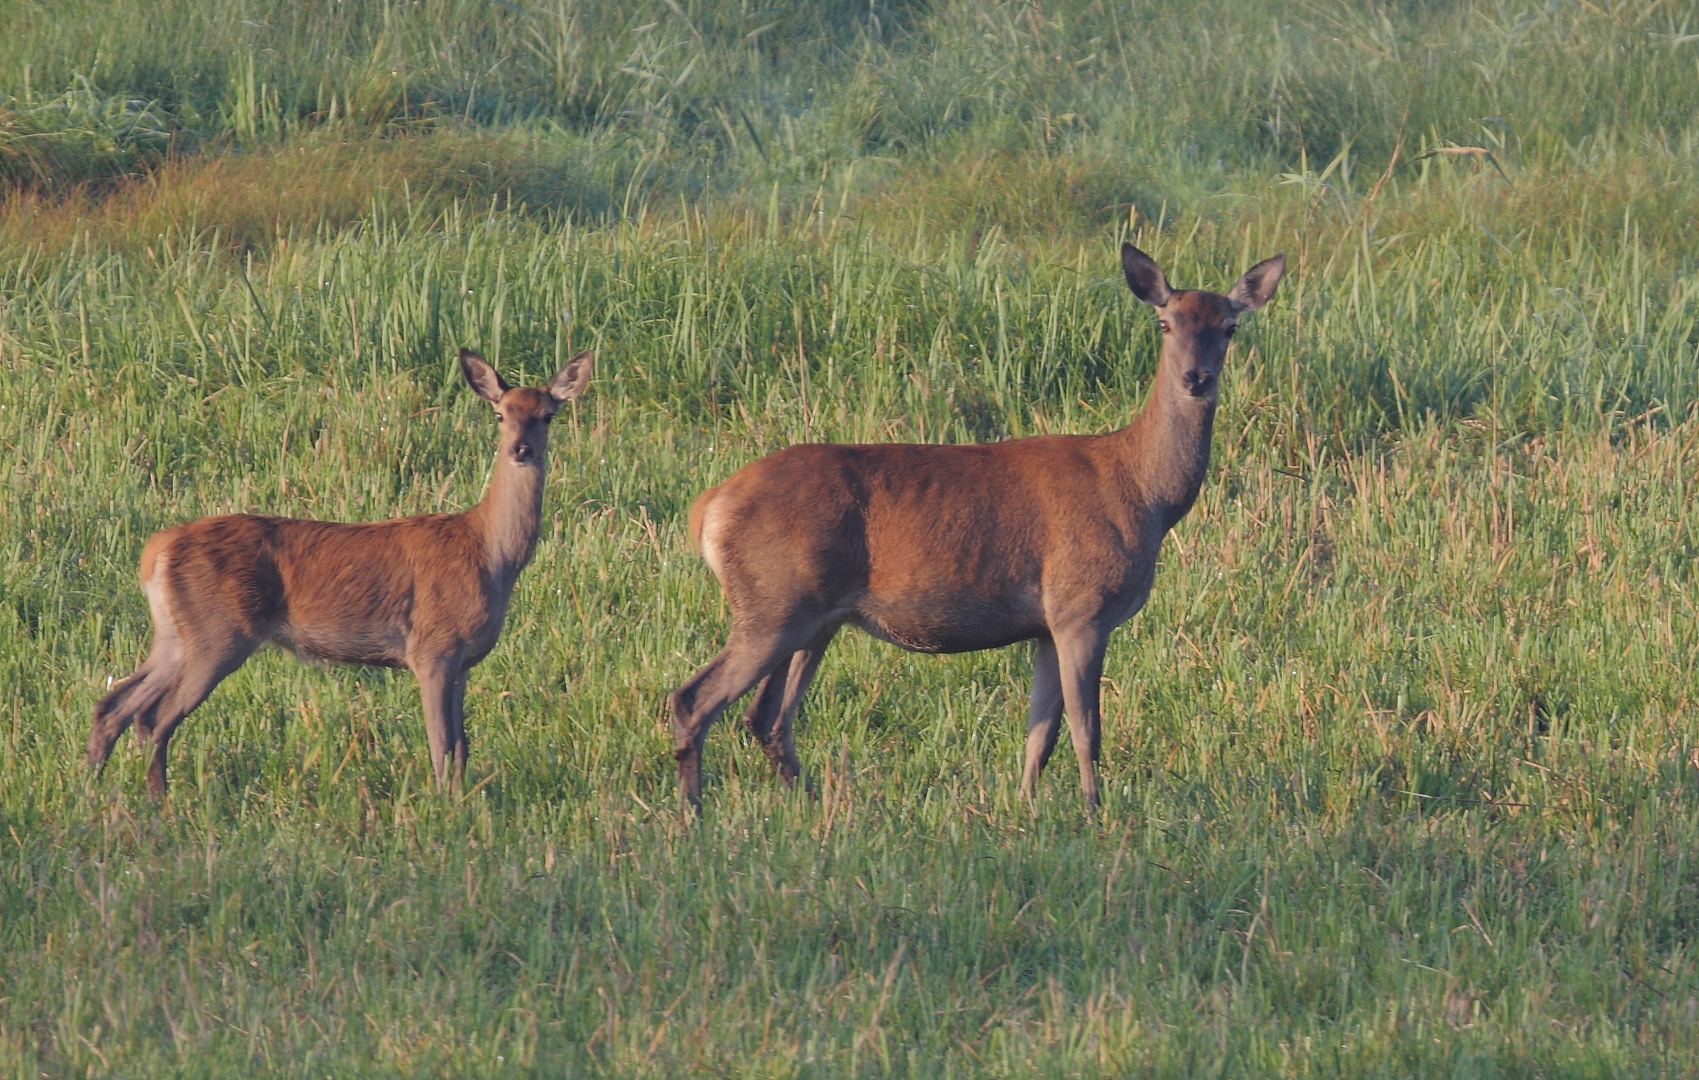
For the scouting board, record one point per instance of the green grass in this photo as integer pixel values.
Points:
(1401, 762)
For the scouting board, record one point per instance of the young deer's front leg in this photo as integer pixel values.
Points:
(436, 692)
(1044, 715)
(457, 734)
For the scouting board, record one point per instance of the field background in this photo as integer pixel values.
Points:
(1400, 764)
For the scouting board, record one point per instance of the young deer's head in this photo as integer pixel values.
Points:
(1197, 325)
(524, 412)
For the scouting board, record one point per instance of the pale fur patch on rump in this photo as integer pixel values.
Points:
(168, 641)
(713, 520)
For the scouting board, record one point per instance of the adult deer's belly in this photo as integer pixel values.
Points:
(369, 645)
(950, 624)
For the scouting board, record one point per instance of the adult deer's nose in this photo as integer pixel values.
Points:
(522, 452)
(1198, 382)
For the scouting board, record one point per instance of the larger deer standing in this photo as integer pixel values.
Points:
(944, 549)
(427, 593)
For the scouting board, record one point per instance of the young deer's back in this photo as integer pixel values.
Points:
(335, 592)
(426, 593)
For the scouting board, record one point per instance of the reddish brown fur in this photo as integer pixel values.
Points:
(426, 593)
(956, 548)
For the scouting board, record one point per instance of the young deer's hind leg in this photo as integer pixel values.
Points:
(1044, 715)
(203, 669)
(136, 701)
(781, 747)
(764, 706)
(137, 698)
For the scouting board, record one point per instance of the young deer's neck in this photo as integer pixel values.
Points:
(1167, 444)
(509, 515)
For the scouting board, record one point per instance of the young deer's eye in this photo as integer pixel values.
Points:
(499, 417)
(1162, 324)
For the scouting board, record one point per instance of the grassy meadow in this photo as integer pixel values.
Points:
(1401, 761)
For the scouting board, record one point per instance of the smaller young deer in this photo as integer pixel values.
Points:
(427, 593)
(946, 549)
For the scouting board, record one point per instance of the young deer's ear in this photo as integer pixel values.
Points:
(573, 378)
(1144, 277)
(1257, 286)
(483, 378)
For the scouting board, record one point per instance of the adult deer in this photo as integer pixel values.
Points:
(427, 593)
(945, 549)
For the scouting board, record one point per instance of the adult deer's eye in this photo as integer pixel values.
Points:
(500, 417)
(1163, 325)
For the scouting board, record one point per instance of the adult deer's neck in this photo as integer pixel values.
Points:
(1166, 447)
(509, 514)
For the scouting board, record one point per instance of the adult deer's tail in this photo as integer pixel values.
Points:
(699, 513)
(705, 530)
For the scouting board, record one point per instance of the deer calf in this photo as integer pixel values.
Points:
(427, 593)
(944, 549)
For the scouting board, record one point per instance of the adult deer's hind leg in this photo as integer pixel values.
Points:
(781, 743)
(748, 657)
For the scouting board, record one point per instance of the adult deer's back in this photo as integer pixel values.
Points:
(956, 548)
(426, 593)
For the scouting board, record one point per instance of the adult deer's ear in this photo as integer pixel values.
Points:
(1144, 277)
(573, 378)
(482, 377)
(1257, 286)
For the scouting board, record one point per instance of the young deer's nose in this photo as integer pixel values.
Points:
(1198, 382)
(522, 452)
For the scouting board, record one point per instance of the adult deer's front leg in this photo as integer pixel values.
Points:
(1079, 658)
(1044, 715)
